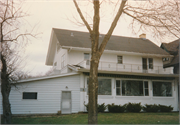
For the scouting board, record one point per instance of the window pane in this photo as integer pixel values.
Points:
(119, 59)
(162, 89)
(146, 84)
(86, 56)
(104, 86)
(29, 95)
(117, 91)
(132, 88)
(117, 83)
(146, 92)
(150, 63)
(144, 62)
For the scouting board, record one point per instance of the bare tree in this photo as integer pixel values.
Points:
(160, 17)
(12, 39)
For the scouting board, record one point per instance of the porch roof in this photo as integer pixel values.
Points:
(134, 75)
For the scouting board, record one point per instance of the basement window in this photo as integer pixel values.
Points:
(29, 95)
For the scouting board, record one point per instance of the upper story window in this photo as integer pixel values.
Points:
(63, 61)
(162, 88)
(150, 63)
(29, 95)
(119, 59)
(147, 62)
(87, 58)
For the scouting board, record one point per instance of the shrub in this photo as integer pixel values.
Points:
(116, 108)
(133, 107)
(151, 108)
(101, 108)
(164, 108)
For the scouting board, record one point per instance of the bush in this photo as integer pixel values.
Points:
(133, 107)
(116, 108)
(151, 108)
(101, 108)
(164, 108)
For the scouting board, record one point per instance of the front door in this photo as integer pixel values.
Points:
(66, 102)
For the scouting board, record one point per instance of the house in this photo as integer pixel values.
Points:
(130, 70)
(173, 49)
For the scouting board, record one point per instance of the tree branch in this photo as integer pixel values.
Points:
(113, 25)
(82, 17)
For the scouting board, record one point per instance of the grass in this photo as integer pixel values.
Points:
(103, 118)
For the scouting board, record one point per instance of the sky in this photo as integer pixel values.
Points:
(62, 14)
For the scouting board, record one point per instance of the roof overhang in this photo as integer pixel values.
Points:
(117, 52)
(51, 49)
(47, 77)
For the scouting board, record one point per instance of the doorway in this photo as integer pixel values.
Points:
(66, 102)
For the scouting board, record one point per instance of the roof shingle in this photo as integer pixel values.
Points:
(117, 43)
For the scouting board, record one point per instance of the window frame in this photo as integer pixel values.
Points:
(98, 86)
(119, 60)
(23, 98)
(87, 60)
(132, 80)
(162, 96)
(151, 66)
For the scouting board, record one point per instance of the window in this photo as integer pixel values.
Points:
(145, 64)
(150, 63)
(63, 61)
(162, 88)
(118, 87)
(132, 88)
(146, 88)
(119, 59)
(87, 58)
(104, 86)
(29, 95)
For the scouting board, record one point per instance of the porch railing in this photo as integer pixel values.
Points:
(112, 66)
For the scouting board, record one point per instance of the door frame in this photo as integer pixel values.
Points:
(70, 101)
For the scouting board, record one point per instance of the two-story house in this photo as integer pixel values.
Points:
(130, 70)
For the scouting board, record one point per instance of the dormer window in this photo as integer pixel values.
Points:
(119, 59)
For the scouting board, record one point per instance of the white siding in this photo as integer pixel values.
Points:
(48, 95)
(121, 100)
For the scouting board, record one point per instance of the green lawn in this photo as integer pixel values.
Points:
(103, 118)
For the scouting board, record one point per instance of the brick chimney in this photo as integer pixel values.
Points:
(143, 35)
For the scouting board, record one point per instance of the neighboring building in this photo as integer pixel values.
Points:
(130, 70)
(173, 49)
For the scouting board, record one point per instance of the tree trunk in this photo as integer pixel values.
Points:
(93, 92)
(5, 90)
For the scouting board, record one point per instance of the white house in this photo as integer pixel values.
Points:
(130, 70)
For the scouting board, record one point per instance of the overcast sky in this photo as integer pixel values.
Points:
(48, 14)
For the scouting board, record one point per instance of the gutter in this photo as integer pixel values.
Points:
(117, 52)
